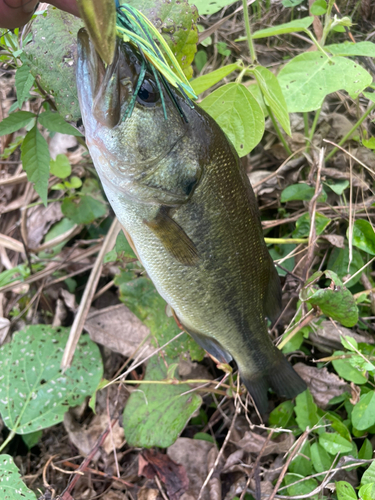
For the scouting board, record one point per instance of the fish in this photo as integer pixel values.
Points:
(177, 187)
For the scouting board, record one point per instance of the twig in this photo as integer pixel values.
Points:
(88, 294)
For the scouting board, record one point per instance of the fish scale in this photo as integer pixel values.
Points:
(179, 191)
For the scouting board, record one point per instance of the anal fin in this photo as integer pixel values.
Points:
(173, 237)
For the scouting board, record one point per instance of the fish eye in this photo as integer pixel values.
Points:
(148, 94)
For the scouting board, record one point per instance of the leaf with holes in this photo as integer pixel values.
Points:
(35, 161)
(345, 491)
(350, 49)
(11, 484)
(238, 114)
(156, 414)
(34, 393)
(308, 78)
(206, 8)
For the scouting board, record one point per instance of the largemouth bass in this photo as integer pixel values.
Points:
(177, 188)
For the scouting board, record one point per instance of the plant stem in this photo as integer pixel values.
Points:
(313, 127)
(351, 131)
(327, 22)
(306, 126)
(278, 132)
(285, 241)
(319, 46)
(8, 439)
(253, 55)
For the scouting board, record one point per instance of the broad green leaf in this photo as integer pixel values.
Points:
(60, 167)
(349, 343)
(363, 415)
(300, 191)
(204, 82)
(369, 95)
(15, 121)
(303, 225)
(73, 183)
(365, 49)
(281, 29)
(306, 411)
(333, 443)
(369, 478)
(61, 227)
(302, 488)
(20, 272)
(302, 464)
(11, 485)
(141, 297)
(35, 161)
(336, 423)
(318, 8)
(122, 246)
(51, 56)
(24, 82)
(280, 416)
(238, 114)
(176, 20)
(364, 236)
(273, 95)
(294, 343)
(34, 393)
(203, 436)
(345, 491)
(336, 301)
(346, 370)
(308, 78)
(291, 3)
(32, 439)
(337, 187)
(369, 143)
(365, 491)
(206, 8)
(83, 209)
(366, 451)
(56, 123)
(321, 460)
(100, 21)
(200, 60)
(156, 414)
(255, 91)
(339, 263)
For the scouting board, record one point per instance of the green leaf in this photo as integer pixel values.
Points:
(369, 478)
(238, 114)
(365, 452)
(345, 370)
(207, 8)
(34, 393)
(280, 416)
(308, 78)
(306, 411)
(303, 225)
(300, 191)
(321, 460)
(339, 263)
(294, 343)
(35, 161)
(15, 121)
(56, 123)
(336, 301)
(200, 60)
(73, 183)
(273, 95)
(318, 8)
(61, 227)
(349, 343)
(336, 423)
(369, 143)
(51, 56)
(24, 82)
(333, 443)
(364, 236)
(365, 49)
(303, 488)
(345, 491)
(282, 29)
(32, 439)
(203, 436)
(337, 187)
(11, 485)
(363, 415)
(291, 3)
(83, 209)
(301, 463)
(204, 82)
(122, 246)
(60, 167)
(366, 491)
(156, 414)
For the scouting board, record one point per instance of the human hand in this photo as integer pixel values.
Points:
(15, 13)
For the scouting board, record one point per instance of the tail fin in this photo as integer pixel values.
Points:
(280, 377)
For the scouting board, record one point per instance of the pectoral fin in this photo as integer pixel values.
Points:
(173, 237)
(211, 346)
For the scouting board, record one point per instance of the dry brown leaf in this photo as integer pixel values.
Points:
(4, 329)
(39, 221)
(193, 454)
(148, 494)
(117, 328)
(253, 443)
(334, 239)
(173, 475)
(323, 385)
(233, 459)
(327, 336)
(115, 495)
